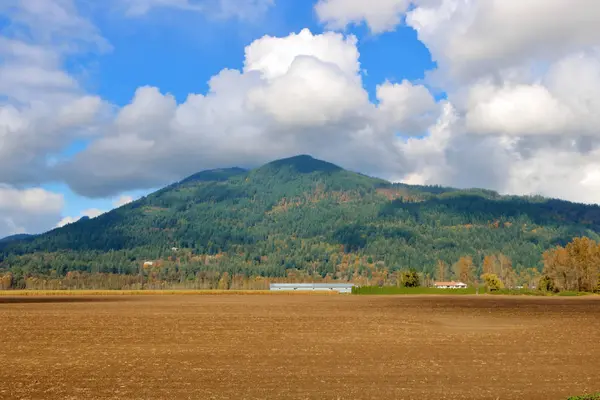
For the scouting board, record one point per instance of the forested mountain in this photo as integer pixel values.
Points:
(302, 216)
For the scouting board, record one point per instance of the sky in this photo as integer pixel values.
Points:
(104, 102)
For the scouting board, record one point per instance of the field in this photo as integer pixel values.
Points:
(298, 347)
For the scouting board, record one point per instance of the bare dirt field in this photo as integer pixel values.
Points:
(298, 347)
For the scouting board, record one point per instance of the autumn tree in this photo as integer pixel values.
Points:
(489, 264)
(583, 260)
(574, 267)
(6, 281)
(464, 269)
(505, 270)
(556, 268)
(224, 282)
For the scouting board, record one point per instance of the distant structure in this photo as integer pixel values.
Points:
(450, 285)
(332, 287)
(148, 263)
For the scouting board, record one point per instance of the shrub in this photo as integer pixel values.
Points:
(410, 278)
(492, 282)
(586, 397)
(546, 284)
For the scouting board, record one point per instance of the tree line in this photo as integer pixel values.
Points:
(573, 267)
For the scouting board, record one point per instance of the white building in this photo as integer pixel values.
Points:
(450, 285)
(337, 287)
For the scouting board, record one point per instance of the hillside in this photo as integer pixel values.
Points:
(12, 238)
(302, 214)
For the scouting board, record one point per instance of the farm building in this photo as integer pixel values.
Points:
(339, 287)
(450, 285)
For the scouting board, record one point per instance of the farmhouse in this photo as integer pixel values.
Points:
(450, 285)
(338, 287)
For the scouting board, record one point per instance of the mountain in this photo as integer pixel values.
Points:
(303, 214)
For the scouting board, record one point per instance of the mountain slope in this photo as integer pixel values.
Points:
(12, 238)
(303, 213)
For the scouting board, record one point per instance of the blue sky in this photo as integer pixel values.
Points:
(103, 102)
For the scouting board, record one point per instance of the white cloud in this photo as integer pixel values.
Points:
(562, 173)
(515, 110)
(380, 15)
(471, 38)
(308, 80)
(407, 108)
(28, 210)
(273, 56)
(312, 93)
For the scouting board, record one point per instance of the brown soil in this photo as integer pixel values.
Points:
(300, 347)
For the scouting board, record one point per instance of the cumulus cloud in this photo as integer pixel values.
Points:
(409, 109)
(273, 56)
(298, 94)
(311, 93)
(28, 210)
(515, 110)
(471, 38)
(380, 15)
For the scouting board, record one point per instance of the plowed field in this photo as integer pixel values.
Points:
(298, 347)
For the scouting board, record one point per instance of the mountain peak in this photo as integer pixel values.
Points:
(304, 164)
